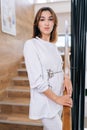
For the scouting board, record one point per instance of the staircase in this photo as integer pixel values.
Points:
(14, 108)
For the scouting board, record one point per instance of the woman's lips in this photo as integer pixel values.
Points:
(47, 28)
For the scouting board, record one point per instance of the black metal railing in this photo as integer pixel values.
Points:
(78, 54)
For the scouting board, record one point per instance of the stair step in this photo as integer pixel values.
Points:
(15, 101)
(19, 88)
(22, 119)
(22, 72)
(18, 92)
(15, 105)
(22, 64)
(9, 109)
(21, 81)
(12, 126)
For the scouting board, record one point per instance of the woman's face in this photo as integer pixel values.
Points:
(46, 23)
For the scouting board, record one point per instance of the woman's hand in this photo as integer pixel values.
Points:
(68, 85)
(64, 100)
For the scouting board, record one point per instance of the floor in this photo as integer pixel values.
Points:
(85, 123)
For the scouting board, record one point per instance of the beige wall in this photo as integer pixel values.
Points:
(11, 47)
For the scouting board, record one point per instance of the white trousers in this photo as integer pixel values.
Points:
(54, 123)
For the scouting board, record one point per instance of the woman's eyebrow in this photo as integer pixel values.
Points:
(48, 17)
(42, 17)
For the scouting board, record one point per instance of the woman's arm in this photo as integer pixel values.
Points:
(62, 100)
(68, 85)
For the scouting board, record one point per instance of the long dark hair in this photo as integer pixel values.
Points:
(36, 31)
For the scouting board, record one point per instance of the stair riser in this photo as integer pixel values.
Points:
(22, 73)
(8, 109)
(18, 94)
(22, 65)
(4, 126)
(21, 82)
(2, 95)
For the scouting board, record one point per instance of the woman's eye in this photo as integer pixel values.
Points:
(41, 19)
(51, 19)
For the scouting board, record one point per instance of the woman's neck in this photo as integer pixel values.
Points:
(46, 38)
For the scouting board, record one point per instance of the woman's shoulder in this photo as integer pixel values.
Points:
(29, 43)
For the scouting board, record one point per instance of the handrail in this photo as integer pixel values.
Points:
(67, 123)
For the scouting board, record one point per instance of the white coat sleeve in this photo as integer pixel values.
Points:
(37, 76)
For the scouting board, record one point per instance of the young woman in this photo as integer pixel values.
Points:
(44, 68)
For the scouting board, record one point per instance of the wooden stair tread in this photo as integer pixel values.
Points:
(19, 88)
(22, 69)
(21, 81)
(19, 119)
(20, 78)
(22, 62)
(22, 72)
(15, 101)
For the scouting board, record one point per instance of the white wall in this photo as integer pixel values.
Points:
(58, 7)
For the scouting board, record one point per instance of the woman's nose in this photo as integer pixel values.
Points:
(46, 22)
